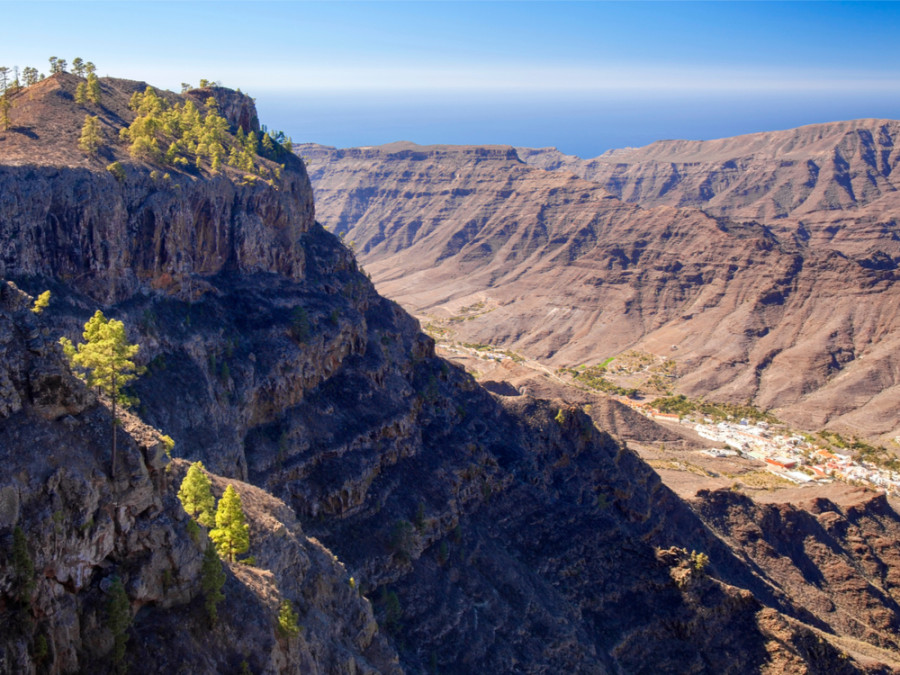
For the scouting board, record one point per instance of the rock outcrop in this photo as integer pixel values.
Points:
(492, 533)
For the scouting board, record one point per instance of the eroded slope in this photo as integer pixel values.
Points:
(572, 275)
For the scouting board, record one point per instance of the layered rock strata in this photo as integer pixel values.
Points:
(566, 273)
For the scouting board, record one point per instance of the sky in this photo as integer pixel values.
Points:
(581, 76)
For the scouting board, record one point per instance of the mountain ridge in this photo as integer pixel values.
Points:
(821, 182)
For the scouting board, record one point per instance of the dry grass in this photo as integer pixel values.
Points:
(761, 479)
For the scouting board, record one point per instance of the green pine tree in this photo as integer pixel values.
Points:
(91, 138)
(31, 76)
(212, 579)
(268, 146)
(93, 88)
(196, 496)
(23, 568)
(5, 107)
(231, 534)
(105, 360)
(41, 303)
(287, 620)
(81, 93)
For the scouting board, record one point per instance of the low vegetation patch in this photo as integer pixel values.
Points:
(861, 450)
(594, 377)
(681, 405)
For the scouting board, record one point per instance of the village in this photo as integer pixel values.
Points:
(794, 457)
(788, 455)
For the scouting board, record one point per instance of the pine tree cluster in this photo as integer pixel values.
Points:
(192, 136)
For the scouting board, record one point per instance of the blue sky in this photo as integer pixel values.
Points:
(584, 76)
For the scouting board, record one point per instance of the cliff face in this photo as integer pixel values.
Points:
(84, 529)
(569, 274)
(835, 185)
(490, 532)
(111, 239)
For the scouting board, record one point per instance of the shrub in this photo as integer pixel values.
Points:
(117, 170)
(287, 620)
(118, 619)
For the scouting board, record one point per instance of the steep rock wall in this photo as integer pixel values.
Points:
(111, 240)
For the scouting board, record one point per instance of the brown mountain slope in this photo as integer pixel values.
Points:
(835, 184)
(573, 275)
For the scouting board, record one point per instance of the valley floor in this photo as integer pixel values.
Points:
(706, 455)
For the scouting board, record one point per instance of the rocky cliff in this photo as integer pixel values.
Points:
(83, 530)
(490, 532)
(568, 274)
(833, 185)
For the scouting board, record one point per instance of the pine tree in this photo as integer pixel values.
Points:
(104, 360)
(31, 75)
(5, 100)
(232, 534)
(212, 579)
(268, 146)
(118, 619)
(78, 66)
(251, 143)
(41, 302)
(89, 68)
(93, 88)
(287, 620)
(5, 107)
(196, 495)
(90, 139)
(81, 93)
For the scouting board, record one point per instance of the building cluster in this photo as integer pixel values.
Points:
(787, 455)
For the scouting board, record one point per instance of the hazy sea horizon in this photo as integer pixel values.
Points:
(577, 125)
